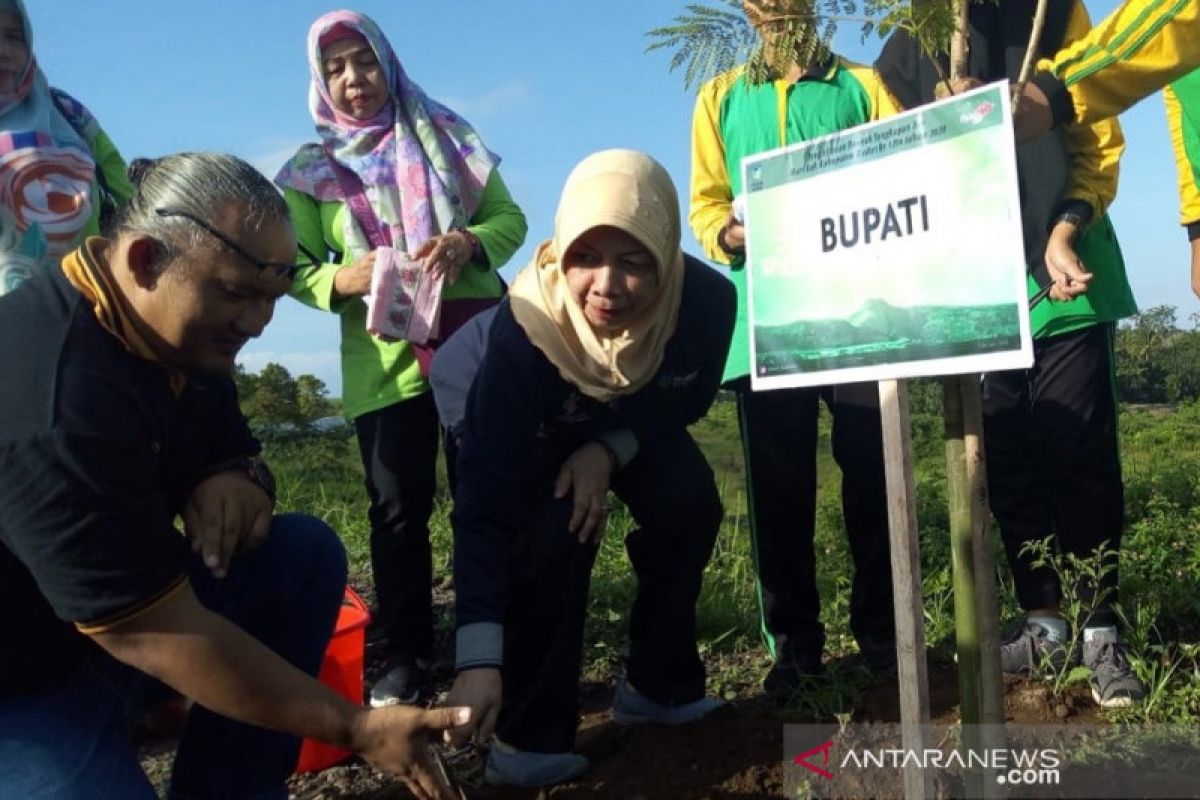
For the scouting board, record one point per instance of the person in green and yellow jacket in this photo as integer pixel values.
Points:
(1183, 118)
(1053, 462)
(394, 162)
(58, 169)
(1141, 47)
(735, 118)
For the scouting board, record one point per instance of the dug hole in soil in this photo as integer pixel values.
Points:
(735, 753)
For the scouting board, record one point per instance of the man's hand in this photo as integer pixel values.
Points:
(227, 513)
(355, 280)
(1069, 274)
(588, 471)
(1033, 118)
(396, 740)
(1196, 266)
(480, 691)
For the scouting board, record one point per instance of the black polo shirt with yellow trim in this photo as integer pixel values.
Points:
(97, 457)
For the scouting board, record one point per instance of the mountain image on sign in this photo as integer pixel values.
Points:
(881, 333)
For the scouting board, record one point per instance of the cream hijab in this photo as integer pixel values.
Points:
(633, 192)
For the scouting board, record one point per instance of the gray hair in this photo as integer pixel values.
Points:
(200, 184)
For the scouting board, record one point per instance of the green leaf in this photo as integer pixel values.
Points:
(1078, 675)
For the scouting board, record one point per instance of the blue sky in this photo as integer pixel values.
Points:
(545, 81)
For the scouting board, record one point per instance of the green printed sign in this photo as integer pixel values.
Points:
(890, 250)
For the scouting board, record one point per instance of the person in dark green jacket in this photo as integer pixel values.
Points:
(58, 169)
(735, 118)
(425, 183)
(1053, 460)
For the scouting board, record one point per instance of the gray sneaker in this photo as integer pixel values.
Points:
(1114, 683)
(1028, 648)
(403, 683)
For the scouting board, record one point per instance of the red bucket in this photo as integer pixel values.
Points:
(342, 671)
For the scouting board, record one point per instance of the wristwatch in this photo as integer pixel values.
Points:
(1076, 212)
(1072, 218)
(252, 467)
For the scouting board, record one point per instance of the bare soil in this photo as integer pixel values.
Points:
(736, 753)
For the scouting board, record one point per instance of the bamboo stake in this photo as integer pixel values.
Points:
(1035, 39)
(962, 562)
(961, 394)
(991, 681)
(911, 668)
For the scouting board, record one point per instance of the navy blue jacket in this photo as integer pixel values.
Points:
(501, 397)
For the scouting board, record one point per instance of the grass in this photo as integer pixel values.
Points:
(1160, 566)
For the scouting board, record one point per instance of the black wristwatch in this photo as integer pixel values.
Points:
(252, 467)
(1072, 218)
(1077, 212)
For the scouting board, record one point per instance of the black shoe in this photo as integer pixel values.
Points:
(792, 672)
(403, 682)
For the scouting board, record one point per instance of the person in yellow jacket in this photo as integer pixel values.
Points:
(1053, 458)
(737, 117)
(1142, 47)
(1183, 118)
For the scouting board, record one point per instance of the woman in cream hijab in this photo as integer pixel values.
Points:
(584, 380)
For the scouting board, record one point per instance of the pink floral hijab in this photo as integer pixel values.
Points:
(423, 168)
(46, 169)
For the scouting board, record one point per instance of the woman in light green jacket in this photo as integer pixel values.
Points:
(393, 168)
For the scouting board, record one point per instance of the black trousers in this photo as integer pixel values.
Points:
(1053, 462)
(779, 436)
(398, 445)
(672, 496)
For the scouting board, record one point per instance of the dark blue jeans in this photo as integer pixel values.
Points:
(69, 741)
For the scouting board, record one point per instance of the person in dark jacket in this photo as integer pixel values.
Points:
(585, 379)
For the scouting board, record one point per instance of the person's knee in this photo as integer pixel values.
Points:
(314, 544)
(699, 514)
(689, 500)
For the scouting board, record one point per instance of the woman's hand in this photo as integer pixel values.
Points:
(480, 690)
(445, 255)
(355, 280)
(1067, 272)
(587, 471)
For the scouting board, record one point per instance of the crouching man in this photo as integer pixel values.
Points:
(118, 416)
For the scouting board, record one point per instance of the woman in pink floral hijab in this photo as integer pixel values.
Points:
(393, 168)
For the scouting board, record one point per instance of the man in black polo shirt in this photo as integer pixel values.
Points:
(118, 416)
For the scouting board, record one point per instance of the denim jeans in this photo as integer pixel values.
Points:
(69, 740)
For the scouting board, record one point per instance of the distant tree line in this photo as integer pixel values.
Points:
(272, 397)
(1158, 361)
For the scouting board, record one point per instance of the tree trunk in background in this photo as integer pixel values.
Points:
(977, 623)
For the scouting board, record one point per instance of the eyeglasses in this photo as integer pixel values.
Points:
(267, 268)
